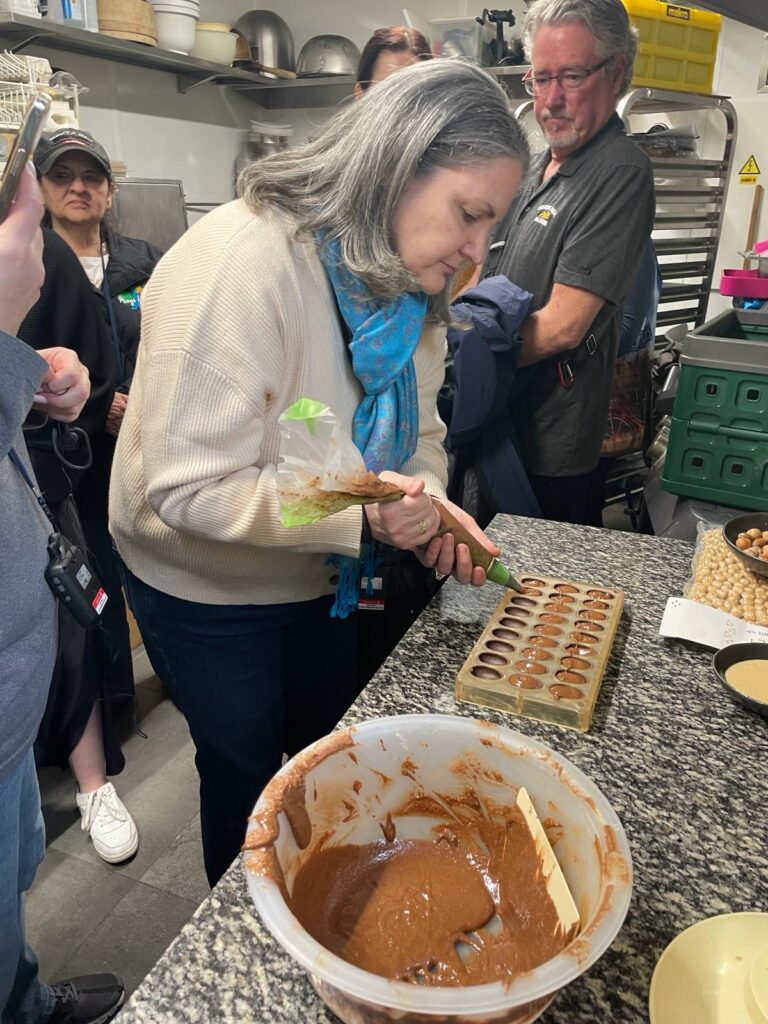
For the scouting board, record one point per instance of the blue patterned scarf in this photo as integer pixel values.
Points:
(385, 426)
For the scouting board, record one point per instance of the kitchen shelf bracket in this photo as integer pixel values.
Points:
(186, 83)
(28, 41)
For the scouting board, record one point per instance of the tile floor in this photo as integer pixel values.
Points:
(84, 915)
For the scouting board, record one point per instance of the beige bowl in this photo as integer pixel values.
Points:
(715, 972)
(214, 43)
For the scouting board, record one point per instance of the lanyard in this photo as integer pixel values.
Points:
(119, 357)
(13, 456)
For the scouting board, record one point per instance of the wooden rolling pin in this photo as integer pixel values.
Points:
(277, 72)
(753, 220)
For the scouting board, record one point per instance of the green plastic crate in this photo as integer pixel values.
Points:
(718, 442)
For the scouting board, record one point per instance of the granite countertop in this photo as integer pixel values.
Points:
(681, 763)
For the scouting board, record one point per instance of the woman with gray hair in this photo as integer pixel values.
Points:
(327, 279)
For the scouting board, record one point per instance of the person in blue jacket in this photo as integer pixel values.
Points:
(55, 383)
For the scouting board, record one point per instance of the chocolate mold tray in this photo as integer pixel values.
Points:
(544, 651)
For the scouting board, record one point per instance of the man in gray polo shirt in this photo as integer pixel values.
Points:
(574, 237)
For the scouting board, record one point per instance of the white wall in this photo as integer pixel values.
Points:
(356, 21)
(141, 118)
(736, 75)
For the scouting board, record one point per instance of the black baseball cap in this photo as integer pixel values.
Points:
(52, 145)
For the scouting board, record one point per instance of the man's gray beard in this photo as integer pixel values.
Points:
(561, 141)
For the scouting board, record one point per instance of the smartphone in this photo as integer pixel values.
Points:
(24, 146)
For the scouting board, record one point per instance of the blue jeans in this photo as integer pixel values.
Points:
(23, 998)
(253, 682)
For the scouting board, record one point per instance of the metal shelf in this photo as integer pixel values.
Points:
(682, 246)
(678, 271)
(510, 77)
(21, 32)
(672, 175)
(664, 101)
(700, 194)
(675, 168)
(690, 221)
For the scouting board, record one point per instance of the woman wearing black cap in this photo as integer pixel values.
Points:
(78, 188)
(77, 185)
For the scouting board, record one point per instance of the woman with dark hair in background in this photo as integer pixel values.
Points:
(77, 186)
(387, 50)
(403, 586)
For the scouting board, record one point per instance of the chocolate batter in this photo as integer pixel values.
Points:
(466, 907)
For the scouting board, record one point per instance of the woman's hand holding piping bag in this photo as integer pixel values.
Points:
(408, 523)
(414, 523)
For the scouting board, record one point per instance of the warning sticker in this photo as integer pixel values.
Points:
(749, 172)
(750, 167)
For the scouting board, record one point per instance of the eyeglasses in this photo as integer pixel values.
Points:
(64, 176)
(570, 79)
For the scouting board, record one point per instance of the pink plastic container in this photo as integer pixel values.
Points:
(745, 284)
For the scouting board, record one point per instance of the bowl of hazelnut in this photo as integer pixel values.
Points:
(747, 536)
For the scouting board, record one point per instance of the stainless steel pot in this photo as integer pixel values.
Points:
(327, 55)
(269, 39)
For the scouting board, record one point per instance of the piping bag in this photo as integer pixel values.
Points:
(321, 471)
(495, 570)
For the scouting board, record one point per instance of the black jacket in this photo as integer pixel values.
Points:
(131, 261)
(66, 315)
(477, 400)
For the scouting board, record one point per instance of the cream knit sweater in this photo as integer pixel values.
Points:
(239, 321)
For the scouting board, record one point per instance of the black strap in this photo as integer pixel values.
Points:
(13, 456)
(118, 348)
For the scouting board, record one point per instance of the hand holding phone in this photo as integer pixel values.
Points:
(21, 254)
(24, 146)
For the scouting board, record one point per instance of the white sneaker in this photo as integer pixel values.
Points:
(111, 827)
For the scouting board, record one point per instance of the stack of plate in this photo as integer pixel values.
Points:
(127, 19)
(175, 20)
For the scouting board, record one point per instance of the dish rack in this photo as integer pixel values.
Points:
(21, 78)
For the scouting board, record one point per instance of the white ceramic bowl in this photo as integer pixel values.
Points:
(590, 846)
(715, 972)
(179, 7)
(171, 9)
(214, 45)
(175, 31)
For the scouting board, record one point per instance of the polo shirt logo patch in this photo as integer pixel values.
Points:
(544, 215)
